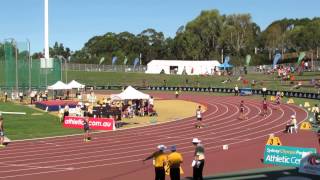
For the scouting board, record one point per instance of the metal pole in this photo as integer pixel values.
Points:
(61, 62)
(66, 70)
(29, 58)
(16, 52)
(221, 56)
(312, 65)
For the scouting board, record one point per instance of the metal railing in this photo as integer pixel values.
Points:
(104, 68)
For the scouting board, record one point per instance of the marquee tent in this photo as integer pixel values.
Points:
(75, 85)
(59, 86)
(130, 93)
(180, 67)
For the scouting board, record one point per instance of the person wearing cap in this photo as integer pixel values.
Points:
(1, 131)
(292, 123)
(198, 162)
(174, 161)
(236, 90)
(159, 162)
(177, 93)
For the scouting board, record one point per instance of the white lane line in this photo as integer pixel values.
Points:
(124, 151)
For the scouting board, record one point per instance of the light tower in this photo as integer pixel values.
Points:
(46, 31)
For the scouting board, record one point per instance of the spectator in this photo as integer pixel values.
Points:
(177, 94)
(316, 112)
(236, 90)
(5, 96)
(264, 92)
(21, 96)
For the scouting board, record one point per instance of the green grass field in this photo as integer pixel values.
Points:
(140, 79)
(34, 124)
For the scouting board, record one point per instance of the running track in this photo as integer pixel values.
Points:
(118, 154)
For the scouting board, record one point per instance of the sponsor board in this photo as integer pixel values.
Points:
(285, 155)
(310, 164)
(94, 123)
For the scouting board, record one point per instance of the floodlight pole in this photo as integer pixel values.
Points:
(46, 30)
(46, 37)
(29, 59)
(16, 54)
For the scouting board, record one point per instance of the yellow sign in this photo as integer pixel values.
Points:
(167, 169)
(274, 141)
(272, 98)
(305, 126)
(306, 104)
(290, 101)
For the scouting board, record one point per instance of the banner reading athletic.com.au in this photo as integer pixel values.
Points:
(94, 123)
(286, 155)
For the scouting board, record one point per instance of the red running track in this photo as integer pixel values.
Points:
(119, 154)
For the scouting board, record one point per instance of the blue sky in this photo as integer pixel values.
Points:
(74, 22)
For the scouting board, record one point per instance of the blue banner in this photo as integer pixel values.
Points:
(286, 155)
(226, 60)
(114, 59)
(136, 61)
(277, 57)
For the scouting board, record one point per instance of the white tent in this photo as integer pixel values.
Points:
(75, 85)
(178, 66)
(59, 86)
(130, 93)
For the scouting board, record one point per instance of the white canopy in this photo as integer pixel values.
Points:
(130, 93)
(190, 67)
(75, 85)
(59, 86)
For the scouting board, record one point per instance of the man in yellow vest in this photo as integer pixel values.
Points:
(174, 161)
(159, 161)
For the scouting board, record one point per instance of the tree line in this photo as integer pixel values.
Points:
(210, 36)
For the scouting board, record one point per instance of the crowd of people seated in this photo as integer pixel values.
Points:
(113, 109)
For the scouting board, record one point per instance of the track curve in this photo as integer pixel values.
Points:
(118, 154)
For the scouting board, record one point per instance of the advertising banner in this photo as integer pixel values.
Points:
(285, 155)
(94, 123)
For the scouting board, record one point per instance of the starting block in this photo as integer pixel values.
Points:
(306, 104)
(305, 126)
(290, 101)
(274, 141)
(272, 98)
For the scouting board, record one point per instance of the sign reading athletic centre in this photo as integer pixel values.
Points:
(285, 155)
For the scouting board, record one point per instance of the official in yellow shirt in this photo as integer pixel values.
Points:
(159, 161)
(174, 161)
